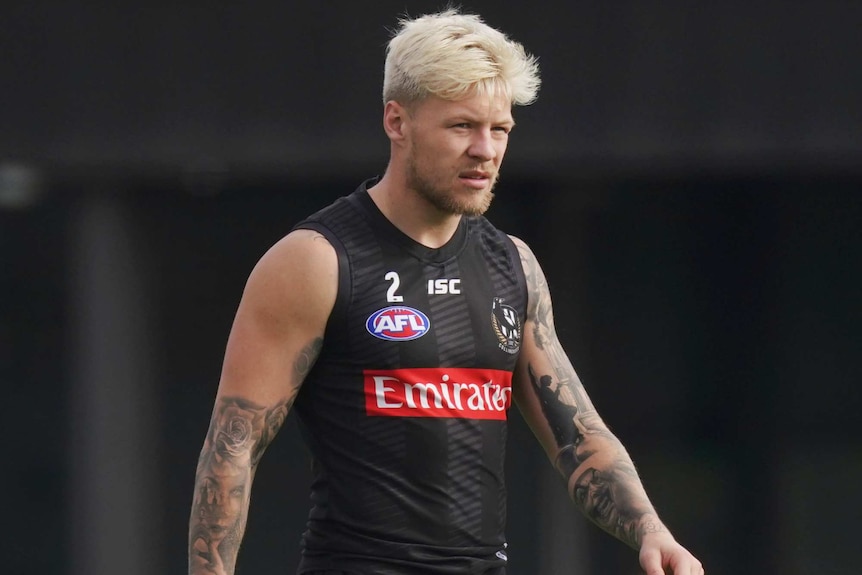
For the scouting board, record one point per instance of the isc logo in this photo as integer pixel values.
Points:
(398, 323)
(444, 286)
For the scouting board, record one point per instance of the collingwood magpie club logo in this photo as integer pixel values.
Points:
(507, 326)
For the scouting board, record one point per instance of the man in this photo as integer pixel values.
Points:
(401, 325)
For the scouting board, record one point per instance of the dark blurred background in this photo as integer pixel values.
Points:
(690, 178)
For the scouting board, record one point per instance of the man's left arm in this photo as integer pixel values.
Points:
(602, 480)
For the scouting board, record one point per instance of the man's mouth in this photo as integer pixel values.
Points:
(475, 178)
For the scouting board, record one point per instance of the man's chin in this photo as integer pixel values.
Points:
(459, 199)
(477, 205)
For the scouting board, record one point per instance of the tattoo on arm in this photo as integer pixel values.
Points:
(603, 479)
(307, 357)
(540, 314)
(606, 498)
(610, 494)
(225, 470)
(562, 416)
(239, 433)
(601, 494)
(565, 404)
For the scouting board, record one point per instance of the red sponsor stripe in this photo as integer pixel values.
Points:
(438, 392)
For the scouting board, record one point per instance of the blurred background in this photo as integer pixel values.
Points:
(690, 178)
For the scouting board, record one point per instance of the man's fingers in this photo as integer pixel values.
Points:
(651, 562)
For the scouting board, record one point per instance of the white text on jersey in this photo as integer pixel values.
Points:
(444, 286)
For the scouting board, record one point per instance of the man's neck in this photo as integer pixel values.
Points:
(412, 214)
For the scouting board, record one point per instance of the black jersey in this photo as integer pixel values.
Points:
(405, 409)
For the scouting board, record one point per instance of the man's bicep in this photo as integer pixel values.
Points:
(277, 333)
(276, 337)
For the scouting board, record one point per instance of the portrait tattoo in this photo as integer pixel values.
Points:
(600, 494)
(238, 435)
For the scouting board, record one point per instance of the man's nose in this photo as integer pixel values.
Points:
(482, 146)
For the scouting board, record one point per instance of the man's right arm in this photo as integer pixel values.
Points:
(276, 337)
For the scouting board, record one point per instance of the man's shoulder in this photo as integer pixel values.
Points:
(302, 247)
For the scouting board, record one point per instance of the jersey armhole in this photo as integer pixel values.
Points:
(518, 267)
(342, 298)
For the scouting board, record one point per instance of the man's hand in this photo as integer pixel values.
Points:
(661, 554)
(205, 558)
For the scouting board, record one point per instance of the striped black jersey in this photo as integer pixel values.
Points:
(405, 410)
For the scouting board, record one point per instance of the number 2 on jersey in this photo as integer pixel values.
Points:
(391, 296)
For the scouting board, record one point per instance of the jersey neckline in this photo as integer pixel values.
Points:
(391, 233)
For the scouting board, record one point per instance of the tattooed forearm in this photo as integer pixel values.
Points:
(605, 497)
(561, 415)
(650, 523)
(239, 432)
(602, 479)
(606, 487)
(570, 422)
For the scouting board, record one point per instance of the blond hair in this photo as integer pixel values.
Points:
(453, 56)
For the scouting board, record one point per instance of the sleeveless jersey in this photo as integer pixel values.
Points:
(405, 410)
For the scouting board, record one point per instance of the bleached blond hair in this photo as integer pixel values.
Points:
(453, 56)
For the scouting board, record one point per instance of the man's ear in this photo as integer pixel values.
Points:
(394, 119)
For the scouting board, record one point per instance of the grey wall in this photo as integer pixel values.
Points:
(291, 86)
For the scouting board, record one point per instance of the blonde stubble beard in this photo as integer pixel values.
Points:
(445, 199)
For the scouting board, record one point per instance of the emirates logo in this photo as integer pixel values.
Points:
(465, 393)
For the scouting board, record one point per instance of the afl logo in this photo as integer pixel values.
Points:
(398, 323)
(507, 326)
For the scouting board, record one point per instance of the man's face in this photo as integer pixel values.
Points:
(455, 149)
(595, 492)
(224, 496)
